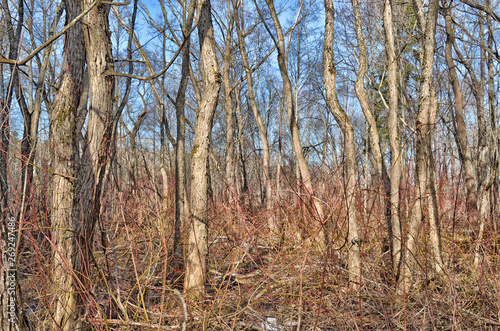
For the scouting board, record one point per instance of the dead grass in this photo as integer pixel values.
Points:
(259, 280)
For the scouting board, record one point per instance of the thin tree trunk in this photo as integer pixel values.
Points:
(461, 130)
(434, 228)
(423, 140)
(482, 134)
(394, 139)
(483, 147)
(240, 28)
(11, 315)
(329, 71)
(228, 107)
(494, 134)
(374, 140)
(294, 129)
(197, 245)
(180, 158)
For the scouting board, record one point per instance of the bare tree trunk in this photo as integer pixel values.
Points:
(11, 314)
(476, 195)
(71, 248)
(434, 228)
(461, 130)
(197, 245)
(353, 242)
(481, 177)
(240, 28)
(180, 158)
(494, 134)
(63, 142)
(363, 98)
(423, 140)
(240, 122)
(294, 128)
(482, 167)
(394, 139)
(228, 106)
(100, 116)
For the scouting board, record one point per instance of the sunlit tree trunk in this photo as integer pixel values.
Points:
(394, 139)
(240, 28)
(91, 166)
(63, 143)
(372, 132)
(483, 148)
(197, 245)
(294, 128)
(11, 316)
(180, 158)
(461, 130)
(329, 71)
(228, 105)
(423, 149)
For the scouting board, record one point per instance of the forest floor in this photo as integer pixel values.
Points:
(258, 280)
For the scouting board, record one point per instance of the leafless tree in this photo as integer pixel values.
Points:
(197, 244)
(353, 240)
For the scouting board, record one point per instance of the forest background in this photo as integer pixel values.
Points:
(249, 165)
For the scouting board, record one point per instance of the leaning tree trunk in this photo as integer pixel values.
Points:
(329, 71)
(294, 129)
(197, 245)
(363, 99)
(240, 28)
(63, 142)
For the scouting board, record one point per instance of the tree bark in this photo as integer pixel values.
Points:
(363, 98)
(461, 130)
(11, 315)
(394, 139)
(100, 116)
(197, 245)
(75, 236)
(240, 28)
(423, 150)
(353, 242)
(180, 157)
(228, 106)
(64, 141)
(294, 129)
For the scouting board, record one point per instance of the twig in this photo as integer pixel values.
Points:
(132, 323)
(51, 40)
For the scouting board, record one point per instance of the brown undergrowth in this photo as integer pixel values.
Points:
(260, 280)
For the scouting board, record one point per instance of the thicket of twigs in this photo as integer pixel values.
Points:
(260, 280)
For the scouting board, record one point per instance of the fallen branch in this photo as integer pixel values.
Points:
(132, 323)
